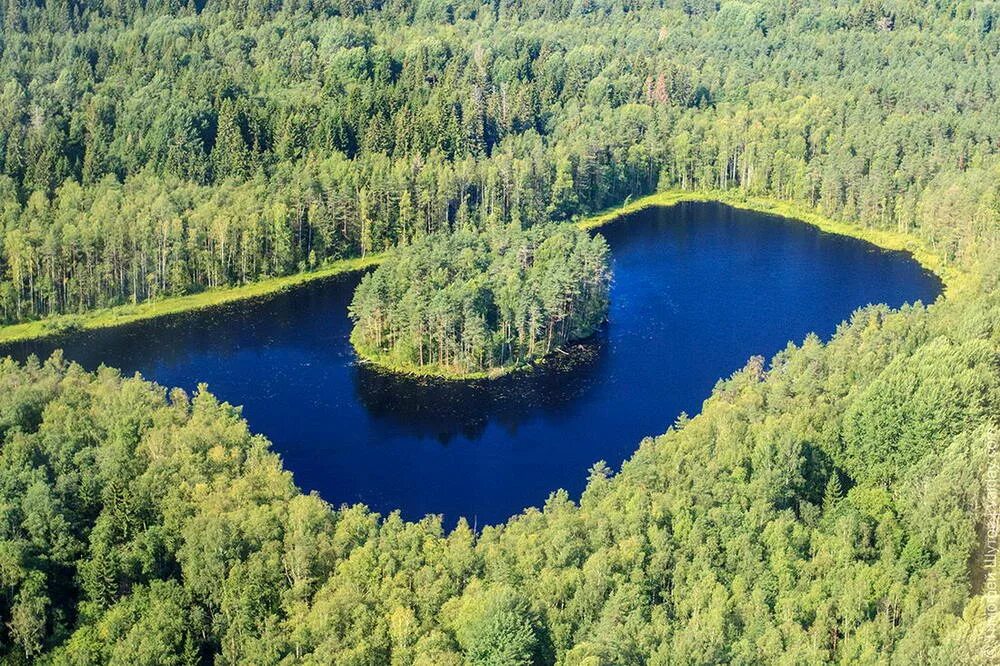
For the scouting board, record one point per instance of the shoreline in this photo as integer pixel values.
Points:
(373, 361)
(121, 315)
(952, 279)
(376, 362)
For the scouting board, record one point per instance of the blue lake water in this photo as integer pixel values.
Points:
(698, 289)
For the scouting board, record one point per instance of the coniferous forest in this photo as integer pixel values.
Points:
(465, 303)
(833, 504)
(151, 149)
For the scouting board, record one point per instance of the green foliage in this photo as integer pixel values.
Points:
(495, 627)
(825, 508)
(468, 303)
(785, 522)
(158, 149)
(915, 405)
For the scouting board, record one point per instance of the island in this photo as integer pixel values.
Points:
(470, 304)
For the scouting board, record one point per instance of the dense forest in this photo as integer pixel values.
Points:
(826, 506)
(464, 303)
(821, 508)
(151, 149)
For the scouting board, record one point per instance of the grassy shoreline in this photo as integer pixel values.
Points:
(952, 278)
(128, 314)
(366, 357)
(377, 361)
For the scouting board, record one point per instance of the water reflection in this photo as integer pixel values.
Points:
(218, 333)
(444, 409)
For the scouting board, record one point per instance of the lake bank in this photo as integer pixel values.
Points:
(121, 315)
(952, 278)
(698, 289)
(378, 362)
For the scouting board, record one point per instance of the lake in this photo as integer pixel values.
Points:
(698, 289)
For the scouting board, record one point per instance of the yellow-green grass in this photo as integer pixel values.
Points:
(377, 360)
(953, 278)
(128, 314)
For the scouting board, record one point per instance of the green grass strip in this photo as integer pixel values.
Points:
(128, 314)
(954, 279)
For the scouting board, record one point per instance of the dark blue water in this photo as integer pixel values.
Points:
(698, 289)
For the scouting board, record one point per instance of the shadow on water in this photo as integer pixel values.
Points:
(444, 410)
(218, 332)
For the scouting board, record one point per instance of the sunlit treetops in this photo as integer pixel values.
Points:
(470, 303)
(149, 151)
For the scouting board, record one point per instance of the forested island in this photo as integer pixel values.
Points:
(470, 304)
(834, 504)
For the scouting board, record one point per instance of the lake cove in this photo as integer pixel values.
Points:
(698, 289)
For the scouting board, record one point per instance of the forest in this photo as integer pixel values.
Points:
(155, 149)
(465, 303)
(831, 504)
(823, 507)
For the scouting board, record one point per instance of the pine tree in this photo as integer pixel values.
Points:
(230, 154)
(832, 493)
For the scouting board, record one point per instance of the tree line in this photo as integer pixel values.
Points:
(822, 508)
(468, 302)
(147, 152)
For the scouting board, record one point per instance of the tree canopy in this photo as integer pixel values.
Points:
(821, 508)
(151, 149)
(831, 505)
(467, 303)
